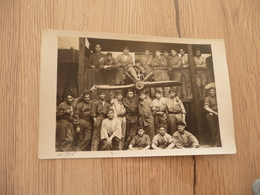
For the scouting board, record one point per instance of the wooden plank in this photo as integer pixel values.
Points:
(81, 69)
(196, 98)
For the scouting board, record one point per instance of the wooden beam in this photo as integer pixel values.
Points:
(81, 70)
(196, 98)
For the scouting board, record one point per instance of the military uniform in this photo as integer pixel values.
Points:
(160, 106)
(186, 140)
(140, 142)
(131, 106)
(146, 119)
(109, 74)
(175, 110)
(160, 65)
(163, 141)
(119, 112)
(111, 127)
(84, 120)
(97, 60)
(99, 110)
(146, 63)
(212, 119)
(65, 128)
(126, 65)
(185, 78)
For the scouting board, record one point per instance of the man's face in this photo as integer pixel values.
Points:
(86, 98)
(147, 52)
(181, 128)
(102, 96)
(182, 52)
(98, 48)
(140, 132)
(174, 53)
(109, 57)
(172, 95)
(69, 99)
(198, 53)
(166, 54)
(130, 94)
(158, 95)
(142, 96)
(212, 92)
(157, 53)
(126, 51)
(110, 114)
(137, 65)
(162, 131)
(119, 96)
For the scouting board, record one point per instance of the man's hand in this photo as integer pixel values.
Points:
(106, 67)
(68, 111)
(93, 66)
(109, 140)
(178, 146)
(78, 129)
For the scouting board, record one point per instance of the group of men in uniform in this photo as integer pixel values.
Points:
(163, 67)
(135, 121)
(123, 123)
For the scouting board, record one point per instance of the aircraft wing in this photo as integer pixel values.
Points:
(111, 87)
(162, 84)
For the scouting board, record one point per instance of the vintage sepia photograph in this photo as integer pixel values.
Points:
(111, 95)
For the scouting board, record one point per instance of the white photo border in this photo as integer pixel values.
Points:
(48, 88)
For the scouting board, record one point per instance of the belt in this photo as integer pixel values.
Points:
(174, 112)
(121, 115)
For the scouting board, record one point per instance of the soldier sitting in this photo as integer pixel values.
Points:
(138, 72)
(141, 141)
(163, 140)
(184, 139)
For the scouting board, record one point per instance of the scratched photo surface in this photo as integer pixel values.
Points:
(112, 95)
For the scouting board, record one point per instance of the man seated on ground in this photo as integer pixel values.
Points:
(110, 132)
(184, 139)
(163, 140)
(141, 141)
